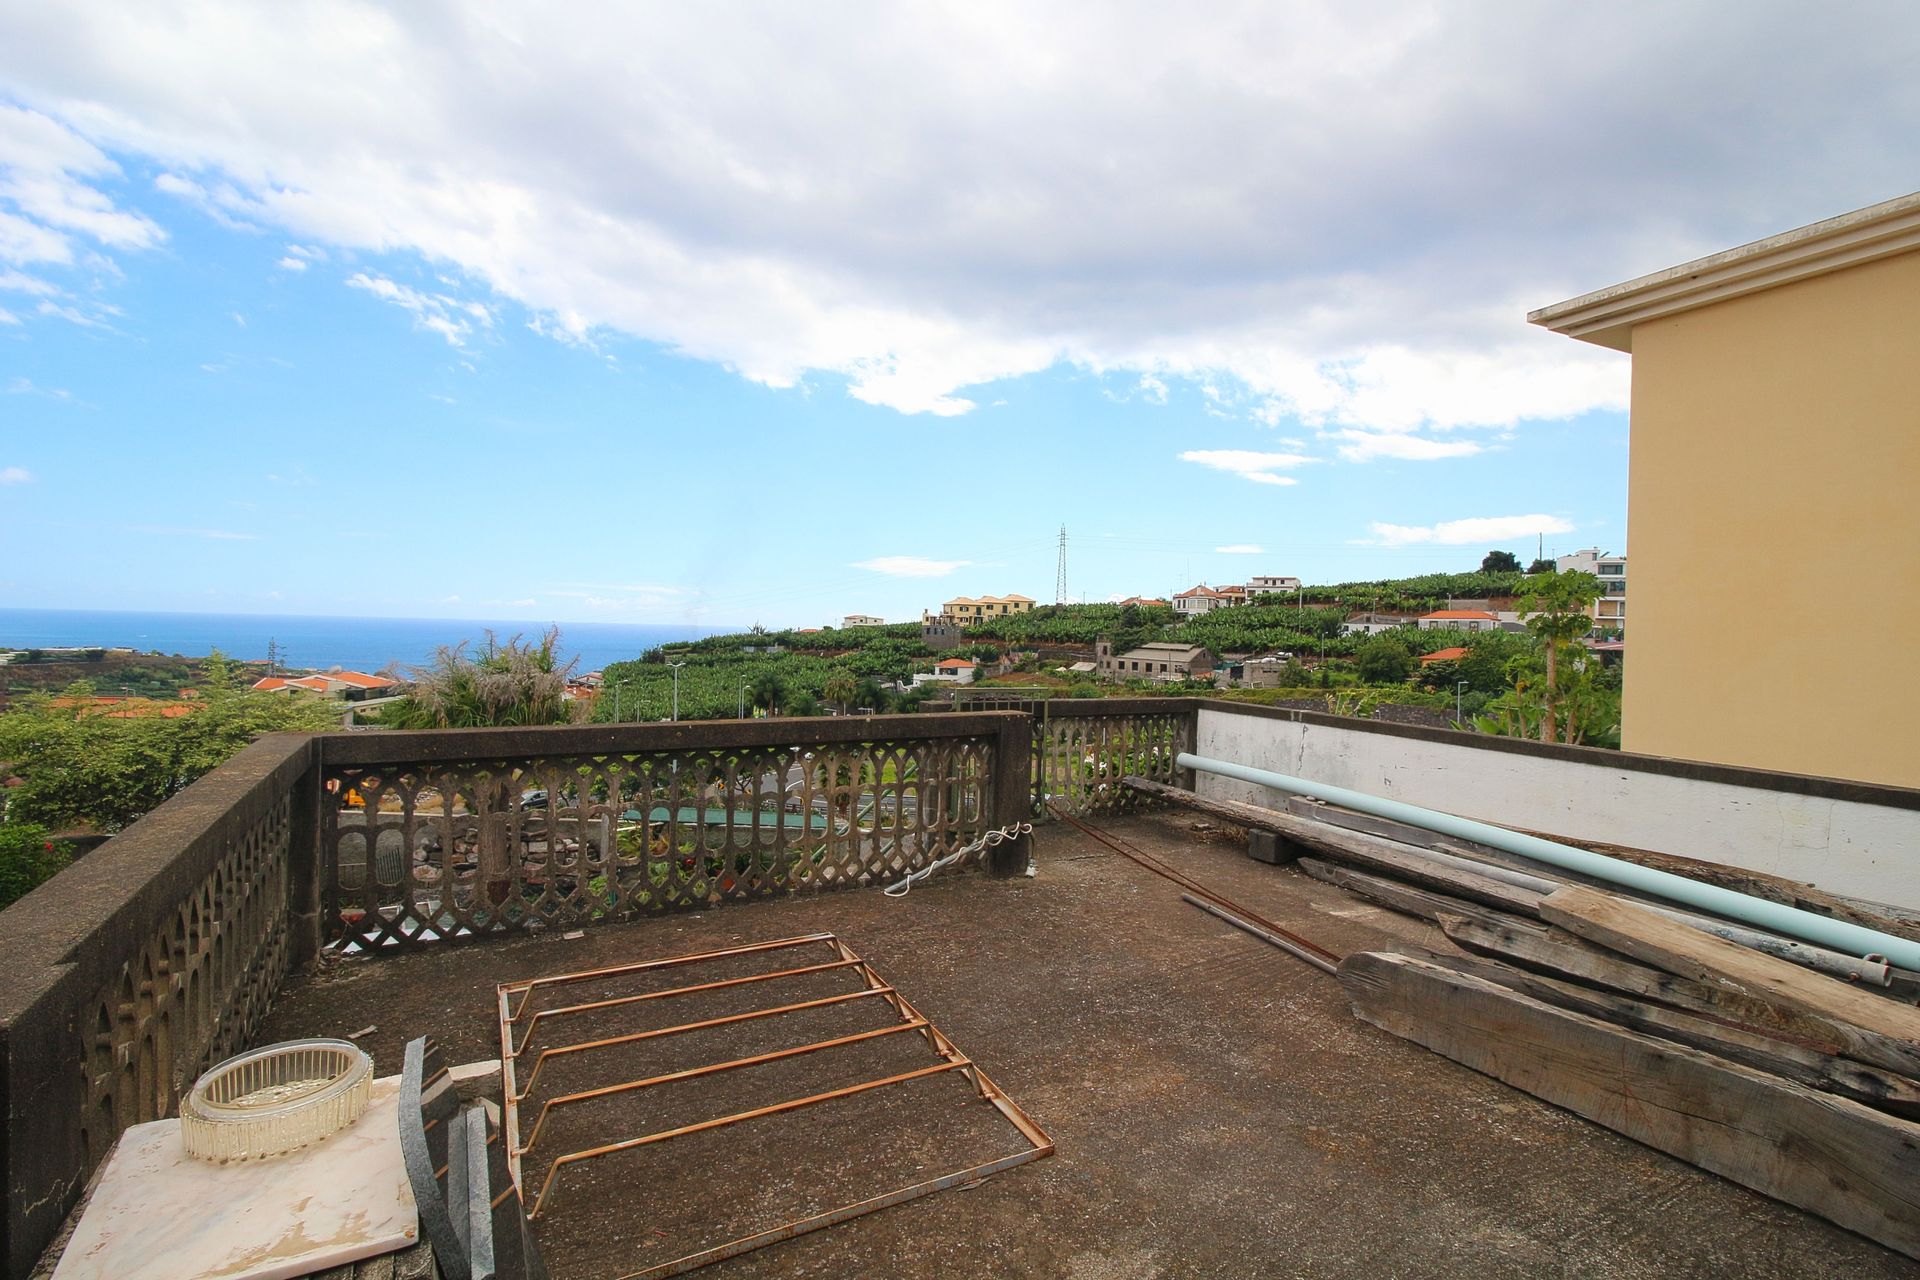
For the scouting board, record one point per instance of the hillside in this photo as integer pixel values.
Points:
(724, 673)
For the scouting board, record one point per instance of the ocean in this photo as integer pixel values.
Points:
(355, 644)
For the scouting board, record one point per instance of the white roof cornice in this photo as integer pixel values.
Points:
(1606, 316)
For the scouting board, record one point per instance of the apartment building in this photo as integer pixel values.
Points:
(1610, 610)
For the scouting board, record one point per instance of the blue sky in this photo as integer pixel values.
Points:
(357, 315)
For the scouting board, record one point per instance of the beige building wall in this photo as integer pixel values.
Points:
(1774, 515)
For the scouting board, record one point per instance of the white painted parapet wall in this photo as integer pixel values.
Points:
(1848, 838)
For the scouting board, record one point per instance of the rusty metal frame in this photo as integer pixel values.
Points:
(513, 1007)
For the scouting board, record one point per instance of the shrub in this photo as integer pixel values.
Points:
(27, 858)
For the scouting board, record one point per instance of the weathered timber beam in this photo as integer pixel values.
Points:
(1817, 1070)
(1405, 898)
(1872, 1028)
(1370, 852)
(1565, 955)
(1830, 1156)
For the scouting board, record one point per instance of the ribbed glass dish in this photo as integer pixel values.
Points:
(267, 1102)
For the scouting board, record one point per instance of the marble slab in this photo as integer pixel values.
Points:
(158, 1214)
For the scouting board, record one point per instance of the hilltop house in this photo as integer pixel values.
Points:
(1272, 585)
(862, 620)
(969, 612)
(1141, 602)
(1205, 599)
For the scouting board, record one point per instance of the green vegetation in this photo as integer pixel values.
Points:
(80, 767)
(27, 857)
(516, 683)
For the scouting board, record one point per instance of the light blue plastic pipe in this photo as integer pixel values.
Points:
(1838, 934)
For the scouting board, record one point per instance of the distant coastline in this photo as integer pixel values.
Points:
(358, 644)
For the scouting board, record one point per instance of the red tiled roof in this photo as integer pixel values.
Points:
(361, 680)
(1478, 614)
(1444, 655)
(952, 664)
(269, 684)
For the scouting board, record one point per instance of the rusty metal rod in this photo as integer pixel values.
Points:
(833, 1217)
(526, 987)
(1262, 934)
(713, 1068)
(615, 1001)
(748, 1016)
(772, 1109)
(1193, 886)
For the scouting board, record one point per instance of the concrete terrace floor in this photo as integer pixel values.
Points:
(1217, 1108)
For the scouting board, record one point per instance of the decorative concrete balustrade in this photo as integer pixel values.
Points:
(157, 954)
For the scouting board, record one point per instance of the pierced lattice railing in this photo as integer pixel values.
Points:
(631, 820)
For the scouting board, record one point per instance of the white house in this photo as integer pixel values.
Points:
(1610, 610)
(1372, 624)
(946, 671)
(862, 620)
(1272, 585)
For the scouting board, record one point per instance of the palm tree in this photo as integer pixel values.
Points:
(840, 689)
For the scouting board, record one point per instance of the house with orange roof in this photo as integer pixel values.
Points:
(947, 671)
(352, 686)
(1205, 599)
(1453, 654)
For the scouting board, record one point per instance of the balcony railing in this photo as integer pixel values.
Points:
(157, 954)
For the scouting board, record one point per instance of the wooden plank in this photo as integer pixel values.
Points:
(1565, 955)
(1830, 1156)
(1369, 852)
(1870, 1027)
(1817, 1070)
(1405, 898)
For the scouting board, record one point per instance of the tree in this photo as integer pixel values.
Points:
(514, 683)
(1384, 660)
(1500, 562)
(1542, 566)
(81, 767)
(840, 689)
(767, 690)
(1555, 607)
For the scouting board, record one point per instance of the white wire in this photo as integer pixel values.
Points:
(1012, 831)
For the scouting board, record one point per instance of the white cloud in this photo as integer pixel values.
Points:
(292, 264)
(1364, 446)
(15, 475)
(7, 317)
(1334, 213)
(438, 313)
(911, 566)
(1458, 533)
(1241, 549)
(1249, 464)
(48, 196)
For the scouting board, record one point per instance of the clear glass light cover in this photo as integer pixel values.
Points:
(267, 1102)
